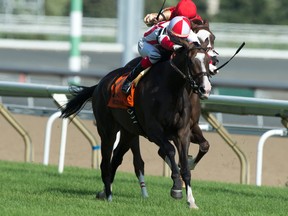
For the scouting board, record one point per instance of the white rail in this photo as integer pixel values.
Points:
(215, 103)
(264, 137)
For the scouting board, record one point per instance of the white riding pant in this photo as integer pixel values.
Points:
(146, 49)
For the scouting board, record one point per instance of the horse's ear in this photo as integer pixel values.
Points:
(206, 23)
(193, 25)
(196, 22)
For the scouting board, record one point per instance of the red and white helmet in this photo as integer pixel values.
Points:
(179, 26)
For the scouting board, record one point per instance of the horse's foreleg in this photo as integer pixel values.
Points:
(167, 149)
(162, 154)
(182, 144)
(176, 190)
(186, 177)
(197, 137)
(203, 149)
(167, 153)
(190, 198)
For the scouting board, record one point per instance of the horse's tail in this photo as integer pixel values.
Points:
(81, 96)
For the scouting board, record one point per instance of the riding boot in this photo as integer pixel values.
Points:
(133, 74)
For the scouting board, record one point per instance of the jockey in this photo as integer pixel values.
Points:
(188, 9)
(163, 34)
(185, 8)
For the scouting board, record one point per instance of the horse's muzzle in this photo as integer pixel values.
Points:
(202, 93)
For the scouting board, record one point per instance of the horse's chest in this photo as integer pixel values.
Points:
(178, 117)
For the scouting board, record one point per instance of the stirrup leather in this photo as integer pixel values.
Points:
(126, 86)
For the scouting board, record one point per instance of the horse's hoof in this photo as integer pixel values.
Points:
(144, 193)
(109, 199)
(193, 206)
(176, 194)
(101, 195)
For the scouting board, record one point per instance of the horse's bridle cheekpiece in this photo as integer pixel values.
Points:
(190, 78)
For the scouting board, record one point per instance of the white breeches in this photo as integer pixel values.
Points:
(146, 49)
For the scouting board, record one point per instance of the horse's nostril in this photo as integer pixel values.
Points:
(214, 59)
(202, 90)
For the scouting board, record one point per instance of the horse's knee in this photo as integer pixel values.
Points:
(186, 176)
(204, 147)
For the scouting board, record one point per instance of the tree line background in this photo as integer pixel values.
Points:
(231, 11)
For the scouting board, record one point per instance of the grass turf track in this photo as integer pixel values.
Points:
(34, 189)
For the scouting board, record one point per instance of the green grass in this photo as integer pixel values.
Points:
(34, 189)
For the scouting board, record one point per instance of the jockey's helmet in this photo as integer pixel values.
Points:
(185, 8)
(179, 27)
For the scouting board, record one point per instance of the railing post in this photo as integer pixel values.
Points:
(50, 121)
(29, 152)
(244, 163)
(263, 138)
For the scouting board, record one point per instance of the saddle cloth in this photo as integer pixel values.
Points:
(120, 100)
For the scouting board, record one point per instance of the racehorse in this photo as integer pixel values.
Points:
(202, 29)
(163, 109)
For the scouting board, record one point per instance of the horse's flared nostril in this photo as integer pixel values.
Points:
(202, 90)
(203, 93)
(215, 60)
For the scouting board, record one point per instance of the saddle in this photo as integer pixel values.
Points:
(120, 100)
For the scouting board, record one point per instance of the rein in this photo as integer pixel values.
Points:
(190, 78)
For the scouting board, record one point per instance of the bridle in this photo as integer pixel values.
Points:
(204, 27)
(190, 77)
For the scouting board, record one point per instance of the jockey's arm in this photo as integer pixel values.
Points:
(165, 42)
(151, 19)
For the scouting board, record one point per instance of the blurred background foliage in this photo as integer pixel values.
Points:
(231, 11)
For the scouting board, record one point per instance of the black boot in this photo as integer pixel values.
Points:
(133, 74)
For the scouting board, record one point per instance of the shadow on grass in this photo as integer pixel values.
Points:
(71, 192)
(245, 191)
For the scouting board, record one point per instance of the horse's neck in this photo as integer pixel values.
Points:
(180, 62)
(164, 74)
(196, 107)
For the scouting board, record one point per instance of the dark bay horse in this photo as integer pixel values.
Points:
(204, 34)
(202, 29)
(163, 108)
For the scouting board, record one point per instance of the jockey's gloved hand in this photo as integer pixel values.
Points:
(150, 19)
(176, 47)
